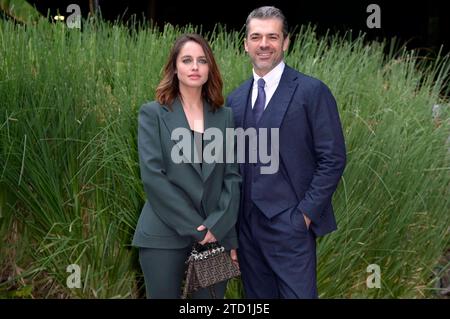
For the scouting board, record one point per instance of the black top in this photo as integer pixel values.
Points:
(198, 139)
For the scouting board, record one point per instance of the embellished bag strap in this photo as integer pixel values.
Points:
(199, 253)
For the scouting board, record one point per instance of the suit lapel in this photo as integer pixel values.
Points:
(276, 109)
(240, 106)
(212, 120)
(177, 119)
(242, 97)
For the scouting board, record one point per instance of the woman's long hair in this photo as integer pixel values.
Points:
(168, 89)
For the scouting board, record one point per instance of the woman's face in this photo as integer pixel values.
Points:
(192, 65)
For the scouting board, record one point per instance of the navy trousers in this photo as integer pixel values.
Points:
(277, 256)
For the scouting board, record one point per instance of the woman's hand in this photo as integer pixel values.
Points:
(209, 237)
(234, 257)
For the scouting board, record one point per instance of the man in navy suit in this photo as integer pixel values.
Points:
(282, 213)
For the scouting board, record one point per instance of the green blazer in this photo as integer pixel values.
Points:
(183, 196)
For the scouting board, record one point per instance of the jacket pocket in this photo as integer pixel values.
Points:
(150, 224)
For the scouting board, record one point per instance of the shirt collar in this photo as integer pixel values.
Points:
(273, 77)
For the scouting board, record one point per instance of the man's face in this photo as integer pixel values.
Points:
(265, 44)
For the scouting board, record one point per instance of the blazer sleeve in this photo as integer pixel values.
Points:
(224, 218)
(169, 202)
(329, 150)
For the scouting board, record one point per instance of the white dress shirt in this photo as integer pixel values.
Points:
(272, 80)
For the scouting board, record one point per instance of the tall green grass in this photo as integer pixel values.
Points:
(70, 186)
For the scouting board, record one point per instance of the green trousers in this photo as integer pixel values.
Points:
(164, 271)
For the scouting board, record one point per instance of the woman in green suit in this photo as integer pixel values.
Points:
(188, 200)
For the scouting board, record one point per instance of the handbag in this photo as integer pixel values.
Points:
(207, 265)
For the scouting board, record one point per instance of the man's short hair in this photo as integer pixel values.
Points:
(267, 12)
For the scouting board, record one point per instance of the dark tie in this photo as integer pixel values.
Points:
(258, 108)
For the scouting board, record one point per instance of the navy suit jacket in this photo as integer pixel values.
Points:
(311, 148)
